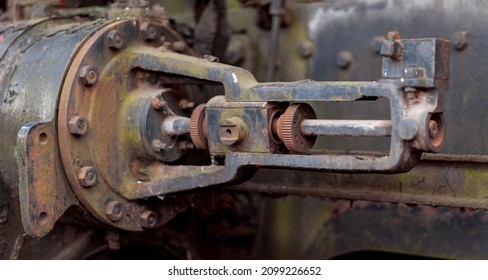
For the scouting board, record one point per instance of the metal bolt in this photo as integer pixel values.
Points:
(186, 105)
(232, 131)
(433, 129)
(393, 35)
(115, 211)
(78, 125)
(88, 176)
(150, 33)
(407, 129)
(306, 49)
(88, 75)
(115, 40)
(392, 47)
(148, 219)
(185, 145)
(459, 40)
(344, 59)
(178, 46)
(158, 145)
(375, 45)
(157, 103)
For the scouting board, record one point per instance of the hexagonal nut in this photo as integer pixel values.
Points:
(148, 219)
(115, 40)
(88, 176)
(88, 75)
(150, 33)
(391, 49)
(78, 125)
(115, 211)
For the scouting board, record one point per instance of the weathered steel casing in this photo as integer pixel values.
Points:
(34, 59)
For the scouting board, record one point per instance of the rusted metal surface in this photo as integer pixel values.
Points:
(314, 228)
(438, 180)
(125, 142)
(359, 128)
(43, 193)
(24, 45)
(290, 130)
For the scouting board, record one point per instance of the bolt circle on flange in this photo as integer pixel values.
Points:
(115, 211)
(289, 128)
(78, 125)
(115, 40)
(105, 104)
(88, 176)
(148, 219)
(150, 33)
(198, 126)
(88, 75)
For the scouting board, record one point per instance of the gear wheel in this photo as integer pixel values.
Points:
(198, 127)
(289, 128)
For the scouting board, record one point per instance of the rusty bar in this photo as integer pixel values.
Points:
(356, 128)
(438, 180)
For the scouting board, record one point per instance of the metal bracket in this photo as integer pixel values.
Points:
(44, 191)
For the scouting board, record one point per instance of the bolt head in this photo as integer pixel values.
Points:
(158, 145)
(393, 35)
(150, 33)
(186, 105)
(157, 103)
(115, 40)
(115, 211)
(78, 125)
(148, 219)
(88, 75)
(459, 40)
(306, 49)
(375, 45)
(391, 49)
(88, 176)
(344, 59)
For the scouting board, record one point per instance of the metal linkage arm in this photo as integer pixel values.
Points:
(255, 125)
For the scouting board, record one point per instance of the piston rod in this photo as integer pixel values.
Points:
(355, 128)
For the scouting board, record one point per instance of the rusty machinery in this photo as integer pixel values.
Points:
(111, 113)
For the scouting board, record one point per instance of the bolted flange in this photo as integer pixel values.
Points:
(88, 176)
(115, 40)
(88, 75)
(115, 211)
(148, 219)
(78, 125)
